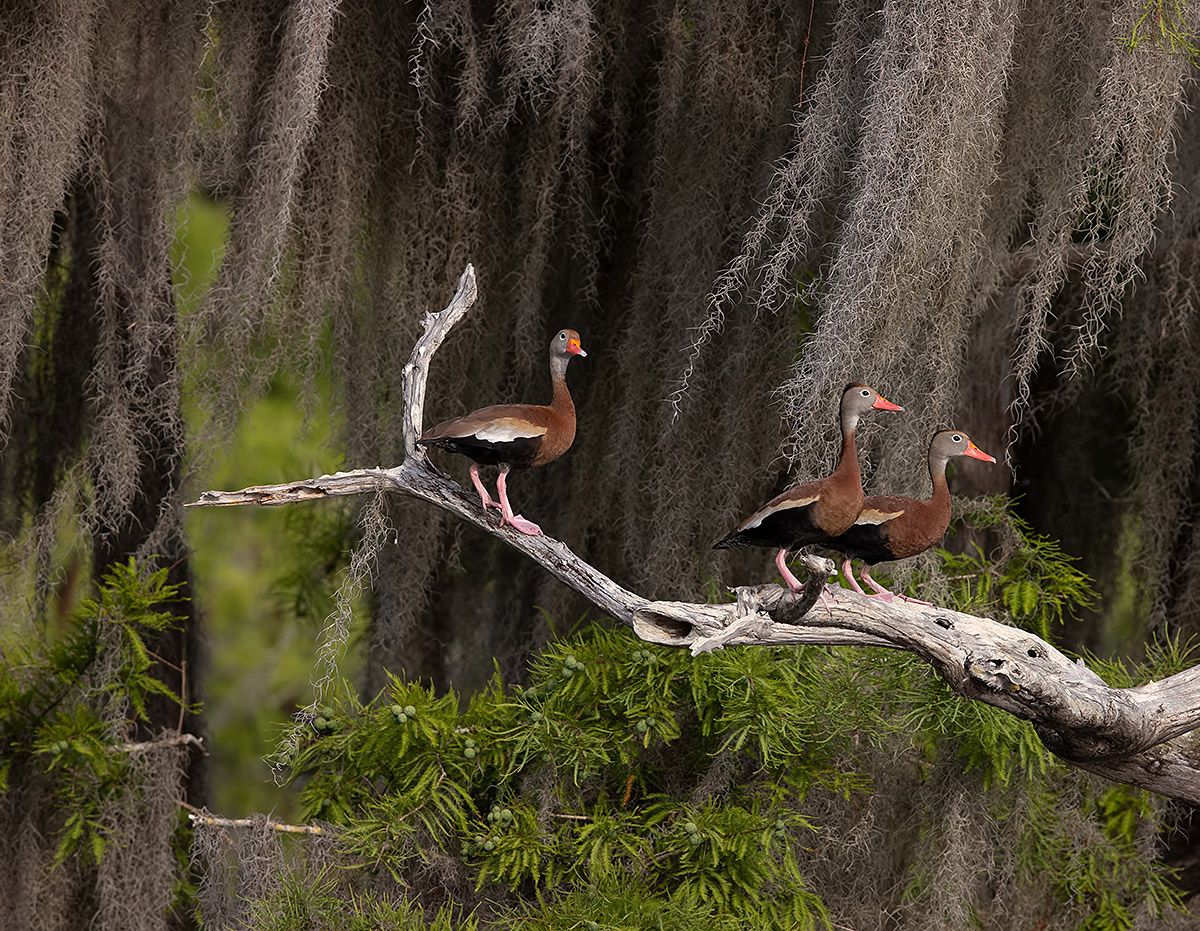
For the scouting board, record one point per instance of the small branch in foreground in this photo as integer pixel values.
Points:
(173, 740)
(1135, 735)
(200, 816)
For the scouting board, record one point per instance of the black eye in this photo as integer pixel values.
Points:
(956, 438)
(866, 393)
(562, 335)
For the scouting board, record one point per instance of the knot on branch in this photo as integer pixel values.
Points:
(748, 619)
(780, 604)
(1088, 745)
(1078, 725)
(997, 674)
(680, 624)
(1025, 668)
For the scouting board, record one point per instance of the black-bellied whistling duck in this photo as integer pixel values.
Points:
(891, 527)
(515, 436)
(815, 511)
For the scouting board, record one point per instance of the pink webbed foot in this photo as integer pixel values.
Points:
(521, 525)
(886, 595)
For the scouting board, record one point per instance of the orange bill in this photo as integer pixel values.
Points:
(976, 453)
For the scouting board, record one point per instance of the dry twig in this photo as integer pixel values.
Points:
(200, 816)
(170, 740)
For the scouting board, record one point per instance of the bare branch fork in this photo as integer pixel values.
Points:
(1139, 736)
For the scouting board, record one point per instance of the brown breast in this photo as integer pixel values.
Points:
(921, 526)
(560, 434)
(841, 492)
(840, 503)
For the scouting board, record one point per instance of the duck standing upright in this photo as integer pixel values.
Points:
(515, 436)
(814, 511)
(891, 527)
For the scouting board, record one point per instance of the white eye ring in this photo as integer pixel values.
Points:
(866, 393)
(562, 335)
(956, 438)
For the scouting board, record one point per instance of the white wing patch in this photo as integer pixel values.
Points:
(871, 516)
(507, 429)
(755, 519)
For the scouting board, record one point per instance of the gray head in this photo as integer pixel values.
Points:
(946, 444)
(565, 343)
(858, 399)
(563, 346)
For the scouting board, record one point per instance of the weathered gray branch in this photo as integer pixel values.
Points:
(416, 373)
(1134, 735)
(168, 740)
(201, 816)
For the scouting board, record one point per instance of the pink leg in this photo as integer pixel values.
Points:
(485, 500)
(884, 594)
(848, 572)
(516, 521)
(781, 564)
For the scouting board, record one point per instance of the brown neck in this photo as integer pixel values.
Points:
(561, 402)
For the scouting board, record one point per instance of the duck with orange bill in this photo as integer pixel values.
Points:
(814, 512)
(892, 527)
(515, 436)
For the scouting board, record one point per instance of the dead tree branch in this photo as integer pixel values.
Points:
(1139, 736)
(170, 740)
(200, 816)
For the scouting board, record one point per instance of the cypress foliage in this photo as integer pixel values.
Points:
(631, 786)
(621, 785)
(90, 820)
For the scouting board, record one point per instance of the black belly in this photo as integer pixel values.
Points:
(790, 529)
(867, 542)
(517, 453)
